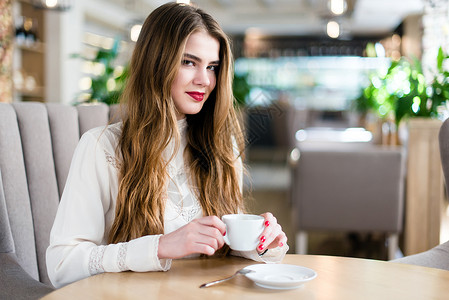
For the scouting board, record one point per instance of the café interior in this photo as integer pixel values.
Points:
(342, 104)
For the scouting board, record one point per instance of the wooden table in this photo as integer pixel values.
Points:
(338, 278)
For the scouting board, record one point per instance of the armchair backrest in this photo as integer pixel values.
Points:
(349, 190)
(6, 241)
(37, 142)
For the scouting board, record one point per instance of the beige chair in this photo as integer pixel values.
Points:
(348, 189)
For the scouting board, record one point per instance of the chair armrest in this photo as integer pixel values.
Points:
(437, 257)
(15, 283)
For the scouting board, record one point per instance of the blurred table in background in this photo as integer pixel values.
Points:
(341, 136)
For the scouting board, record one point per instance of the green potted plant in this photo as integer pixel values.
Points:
(106, 86)
(439, 88)
(403, 92)
(241, 89)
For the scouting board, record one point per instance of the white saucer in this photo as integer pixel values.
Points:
(280, 276)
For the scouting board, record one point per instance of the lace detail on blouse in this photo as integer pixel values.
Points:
(96, 260)
(181, 193)
(112, 160)
(188, 213)
(121, 259)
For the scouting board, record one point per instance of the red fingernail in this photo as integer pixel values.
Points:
(267, 223)
(224, 233)
(260, 247)
(281, 244)
(262, 239)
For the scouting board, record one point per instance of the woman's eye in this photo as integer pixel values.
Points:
(186, 62)
(213, 68)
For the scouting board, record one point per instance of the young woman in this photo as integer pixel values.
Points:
(154, 187)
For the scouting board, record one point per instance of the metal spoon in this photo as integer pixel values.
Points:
(241, 271)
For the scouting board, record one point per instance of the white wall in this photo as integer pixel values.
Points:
(65, 35)
(64, 32)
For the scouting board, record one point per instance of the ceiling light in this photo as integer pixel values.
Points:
(333, 29)
(60, 5)
(338, 7)
(51, 3)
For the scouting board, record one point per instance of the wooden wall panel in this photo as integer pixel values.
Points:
(425, 187)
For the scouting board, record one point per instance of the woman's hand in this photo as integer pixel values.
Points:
(272, 236)
(203, 235)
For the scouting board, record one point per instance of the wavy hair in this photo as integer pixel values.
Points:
(214, 138)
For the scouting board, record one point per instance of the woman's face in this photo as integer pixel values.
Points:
(196, 77)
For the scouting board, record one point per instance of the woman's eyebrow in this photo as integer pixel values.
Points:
(194, 57)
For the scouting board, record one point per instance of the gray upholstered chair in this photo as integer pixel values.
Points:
(437, 257)
(348, 189)
(37, 142)
(15, 282)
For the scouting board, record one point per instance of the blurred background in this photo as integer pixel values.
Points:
(312, 78)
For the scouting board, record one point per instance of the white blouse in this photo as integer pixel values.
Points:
(78, 240)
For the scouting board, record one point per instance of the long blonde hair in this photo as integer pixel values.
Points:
(151, 123)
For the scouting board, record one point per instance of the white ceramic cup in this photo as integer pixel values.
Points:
(243, 231)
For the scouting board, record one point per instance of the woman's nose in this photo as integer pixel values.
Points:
(202, 78)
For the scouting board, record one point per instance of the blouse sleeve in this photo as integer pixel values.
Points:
(77, 241)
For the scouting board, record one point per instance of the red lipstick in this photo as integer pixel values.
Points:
(197, 96)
